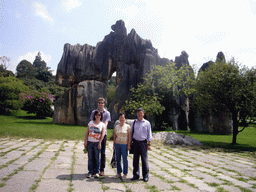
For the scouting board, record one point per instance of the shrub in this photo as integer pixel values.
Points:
(10, 89)
(38, 103)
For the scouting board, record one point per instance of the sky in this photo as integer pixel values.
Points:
(202, 28)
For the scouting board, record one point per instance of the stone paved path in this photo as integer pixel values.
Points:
(39, 165)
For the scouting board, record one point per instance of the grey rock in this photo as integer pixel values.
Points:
(130, 56)
(173, 138)
(75, 106)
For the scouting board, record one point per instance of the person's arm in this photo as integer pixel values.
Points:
(114, 139)
(102, 136)
(129, 139)
(149, 137)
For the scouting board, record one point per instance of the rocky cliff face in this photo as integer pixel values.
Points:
(82, 66)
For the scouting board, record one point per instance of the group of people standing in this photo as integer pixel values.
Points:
(96, 136)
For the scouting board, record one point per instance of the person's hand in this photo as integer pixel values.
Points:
(99, 145)
(98, 137)
(148, 147)
(85, 145)
(128, 147)
(113, 146)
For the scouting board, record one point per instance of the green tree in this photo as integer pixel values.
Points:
(163, 84)
(25, 70)
(38, 63)
(10, 89)
(146, 98)
(42, 71)
(111, 89)
(227, 86)
(4, 64)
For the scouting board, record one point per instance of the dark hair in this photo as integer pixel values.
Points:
(102, 99)
(121, 114)
(140, 109)
(97, 112)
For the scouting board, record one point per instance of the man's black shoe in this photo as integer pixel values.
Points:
(145, 179)
(134, 178)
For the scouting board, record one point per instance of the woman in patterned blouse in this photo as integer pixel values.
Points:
(122, 140)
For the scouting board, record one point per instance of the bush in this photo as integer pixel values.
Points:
(10, 89)
(38, 103)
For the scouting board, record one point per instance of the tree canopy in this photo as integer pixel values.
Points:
(10, 89)
(159, 88)
(25, 69)
(227, 86)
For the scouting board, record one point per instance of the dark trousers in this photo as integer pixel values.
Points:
(102, 156)
(140, 149)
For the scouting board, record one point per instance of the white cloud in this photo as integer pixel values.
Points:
(41, 11)
(30, 56)
(71, 4)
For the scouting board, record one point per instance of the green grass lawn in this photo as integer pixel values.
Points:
(26, 126)
(246, 140)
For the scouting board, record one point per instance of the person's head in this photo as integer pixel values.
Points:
(140, 113)
(121, 117)
(101, 103)
(96, 115)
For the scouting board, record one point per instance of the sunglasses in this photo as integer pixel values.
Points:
(100, 102)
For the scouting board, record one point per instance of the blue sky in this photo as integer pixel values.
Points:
(202, 28)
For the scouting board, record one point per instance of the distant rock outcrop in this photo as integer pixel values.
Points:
(130, 56)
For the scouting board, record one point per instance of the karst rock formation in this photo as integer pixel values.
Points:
(86, 69)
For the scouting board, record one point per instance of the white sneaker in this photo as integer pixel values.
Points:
(89, 176)
(96, 175)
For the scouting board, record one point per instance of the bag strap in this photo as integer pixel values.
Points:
(133, 128)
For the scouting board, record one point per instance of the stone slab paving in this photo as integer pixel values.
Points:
(39, 165)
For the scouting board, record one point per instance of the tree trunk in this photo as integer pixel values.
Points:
(235, 127)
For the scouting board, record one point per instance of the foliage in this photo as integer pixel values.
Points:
(41, 86)
(38, 63)
(160, 86)
(111, 89)
(4, 64)
(145, 98)
(39, 77)
(42, 71)
(25, 69)
(165, 79)
(38, 103)
(227, 86)
(10, 89)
